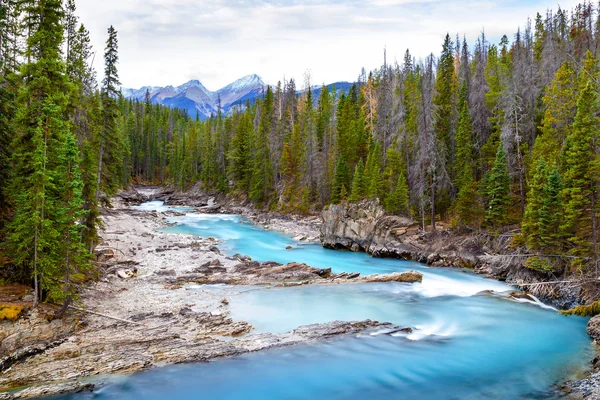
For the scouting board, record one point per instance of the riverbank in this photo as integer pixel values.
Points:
(152, 307)
(148, 309)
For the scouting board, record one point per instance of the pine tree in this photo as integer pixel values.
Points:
(446, 90)
(110, 153)
(463, 164)
(581, 176)
(498, 191)
(551, 212)
(69, 214)
(531, 220)
(9, 51)
(340, 182)
(397, 201)
(34, 238)
(262, 171)
(373, 177)
(358, 183)
(560, 101)
(240, 153)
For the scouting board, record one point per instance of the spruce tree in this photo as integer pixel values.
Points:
(463, 164)
(581, 176)
(33, 236)
(74, 257)
(340, 181)
(397, 201)
(240, 153)
(560, 101)
(110, 153)
(9, 51)
(446, 90)
(531, 220)
(358, 183)
(498, 191)
(551, 212)
(262, 185)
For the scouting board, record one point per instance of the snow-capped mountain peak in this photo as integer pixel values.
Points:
(194, 97)
(243, 83)
(194, 83)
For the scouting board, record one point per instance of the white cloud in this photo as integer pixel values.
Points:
(171, 41)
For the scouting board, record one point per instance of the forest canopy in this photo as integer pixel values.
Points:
(490, 137)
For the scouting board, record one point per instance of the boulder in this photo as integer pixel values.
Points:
(126, 273)
(405, 277)
(593, 328)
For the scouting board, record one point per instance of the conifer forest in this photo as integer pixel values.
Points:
(481, 136)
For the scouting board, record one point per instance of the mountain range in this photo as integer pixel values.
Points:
(196, 99)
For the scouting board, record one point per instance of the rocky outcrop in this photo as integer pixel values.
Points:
(65, 368)
(593, 328)
(255, 273)
(364, 226)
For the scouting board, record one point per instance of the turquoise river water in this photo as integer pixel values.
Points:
(466, 345)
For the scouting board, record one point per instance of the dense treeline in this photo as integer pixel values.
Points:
(494, 137)
(60, 146)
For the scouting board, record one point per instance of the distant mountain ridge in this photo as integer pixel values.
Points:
(196, 99)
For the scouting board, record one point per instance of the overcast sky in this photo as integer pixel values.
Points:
(166, 42)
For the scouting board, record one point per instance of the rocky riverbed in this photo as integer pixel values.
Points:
(149, 308)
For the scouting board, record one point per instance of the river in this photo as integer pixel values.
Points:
(466, 344)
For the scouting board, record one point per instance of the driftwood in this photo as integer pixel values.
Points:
(552, 282)
(106, 316)
(147, 328)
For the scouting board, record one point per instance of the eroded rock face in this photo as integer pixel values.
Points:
(132, 351)
(364, 226)
(351, 226)
(30, 335)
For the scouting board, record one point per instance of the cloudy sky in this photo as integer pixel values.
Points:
(166, 42)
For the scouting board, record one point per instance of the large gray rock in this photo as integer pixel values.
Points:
(364, 226)
(593, 328)
(351, 226)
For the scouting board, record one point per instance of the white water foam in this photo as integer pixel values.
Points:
(434, 285)
(437, 329)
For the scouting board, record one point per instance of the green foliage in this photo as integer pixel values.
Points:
(497, 191)
(111, 148)
(397, 201)
(463, 164)
(339, 190)
(581, 172)
(538, 264)
(358, 183)
(560, 101)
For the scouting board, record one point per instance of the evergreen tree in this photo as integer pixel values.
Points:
(560, 99)
(340, 182)
(498, 191)
(531, 220)
(34, 237)
(110, 149)
(581, 176)
(463, 164)
(446, 90)
(9, 51)
(240, 162)
(397, 202)
(262, 174)
(358, 183)
(69, 214)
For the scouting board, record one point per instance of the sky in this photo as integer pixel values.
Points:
(169, 42)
